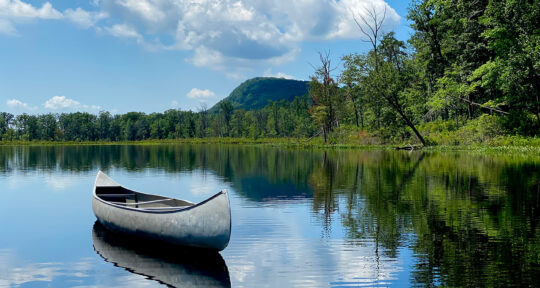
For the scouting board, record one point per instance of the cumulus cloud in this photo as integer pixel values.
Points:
(16, 11)
(19, 105)
(7, 27)
(124, 31)
(206, 57)
(268, 73)
(148, 10)
(200, 94)
(238, 33)
(63, 103)
(83, 18)
(229, 35)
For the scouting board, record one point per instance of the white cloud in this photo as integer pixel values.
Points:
(232, 35)
(7, 27)
(63, 103)
(124, 31)
(268, 73)
(19, 105)
(206, 57)
(200, 94)
(83, 18)
(16, 11)
(148, 10)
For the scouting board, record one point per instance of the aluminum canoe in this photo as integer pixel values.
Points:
(205, 225)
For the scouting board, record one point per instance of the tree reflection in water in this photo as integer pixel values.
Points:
(471, 220)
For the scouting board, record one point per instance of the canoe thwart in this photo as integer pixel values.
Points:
(115, 195)
(141, 203)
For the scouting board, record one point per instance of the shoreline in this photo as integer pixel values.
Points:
(289, 143)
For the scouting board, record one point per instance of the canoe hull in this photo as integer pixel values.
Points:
(205, 225)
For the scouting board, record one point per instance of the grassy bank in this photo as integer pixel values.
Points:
(286, 142)
(356, 140)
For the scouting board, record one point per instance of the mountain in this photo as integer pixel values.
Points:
(258, 92)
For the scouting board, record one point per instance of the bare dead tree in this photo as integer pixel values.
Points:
(371, 24)
(324, 92)
(203, 107)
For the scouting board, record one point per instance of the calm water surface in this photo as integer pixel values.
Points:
(302, 218)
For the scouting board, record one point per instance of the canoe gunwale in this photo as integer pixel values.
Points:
(145, 210)
(171, 210)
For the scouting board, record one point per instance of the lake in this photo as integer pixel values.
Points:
(302, 218)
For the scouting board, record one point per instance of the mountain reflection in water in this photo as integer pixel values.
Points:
(301, 217)
(170, 265)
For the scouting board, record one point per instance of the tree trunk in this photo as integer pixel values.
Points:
(410, 124)
(469, 108)
(356, 116)
(536, 90)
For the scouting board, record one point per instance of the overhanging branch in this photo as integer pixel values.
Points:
(482, 106)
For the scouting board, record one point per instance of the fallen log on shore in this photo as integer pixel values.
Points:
(409, 148)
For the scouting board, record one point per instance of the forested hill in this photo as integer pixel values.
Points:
(258, 92)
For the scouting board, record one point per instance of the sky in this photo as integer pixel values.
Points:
(154, 55)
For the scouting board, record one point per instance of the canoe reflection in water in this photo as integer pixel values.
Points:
(168, 264)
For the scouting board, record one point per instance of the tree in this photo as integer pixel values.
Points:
(203, 119)
(324, 92)
(352, 78)
(27, 127)
(512, 74)
(104, 125)
(6, 120)
(47, 126)
(226, 111)
(385, 68)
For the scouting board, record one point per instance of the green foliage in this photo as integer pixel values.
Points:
(328, 100)
(352, 135)
(464, 59)
(383, 75)
(478, 56)
(482, 130)
(278, 119)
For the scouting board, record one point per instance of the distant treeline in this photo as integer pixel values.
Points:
(470, 71)
(278, 119)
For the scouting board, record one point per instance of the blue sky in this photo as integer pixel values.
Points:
(154, 55)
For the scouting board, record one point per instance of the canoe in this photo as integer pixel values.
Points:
(205, 225)
(172, 265)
